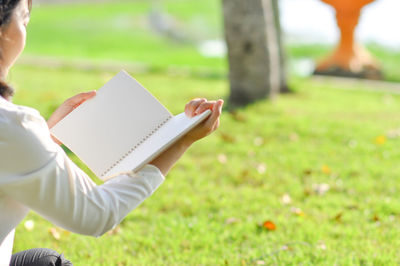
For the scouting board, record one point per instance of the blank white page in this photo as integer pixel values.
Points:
(105, 128)
(169, 133)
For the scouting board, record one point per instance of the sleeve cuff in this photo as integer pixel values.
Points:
(151, 174)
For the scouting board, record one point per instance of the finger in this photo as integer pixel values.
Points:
(215, 126)
(217, 122)
(80, 98)
(216, 113)
(192, 106)
(205, 106)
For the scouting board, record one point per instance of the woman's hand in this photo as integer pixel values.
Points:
(168, 158)
(66, 108)
(198, 106)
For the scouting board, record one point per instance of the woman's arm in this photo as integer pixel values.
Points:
(36, 172)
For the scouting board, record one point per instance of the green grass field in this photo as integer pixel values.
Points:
(334, 153)
(321, 163)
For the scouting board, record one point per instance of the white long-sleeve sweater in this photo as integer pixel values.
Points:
(36, 174)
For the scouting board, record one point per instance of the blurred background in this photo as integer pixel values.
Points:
(318, 25)
(308, 178)
(191, 34)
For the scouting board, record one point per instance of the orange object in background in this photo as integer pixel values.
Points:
(350, 59)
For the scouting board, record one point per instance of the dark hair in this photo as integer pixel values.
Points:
(6, 91)
(6, 9)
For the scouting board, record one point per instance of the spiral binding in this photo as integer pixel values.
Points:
(137, 145)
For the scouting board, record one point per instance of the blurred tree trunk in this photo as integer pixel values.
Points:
(252, 32)
(283, 87)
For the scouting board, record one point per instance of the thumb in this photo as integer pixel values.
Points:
(80, 98)
(216, 112)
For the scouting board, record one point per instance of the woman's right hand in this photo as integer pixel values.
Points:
(66, 107)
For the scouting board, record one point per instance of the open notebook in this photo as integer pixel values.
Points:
(122, 128)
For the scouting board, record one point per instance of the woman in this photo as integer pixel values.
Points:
(36, 174)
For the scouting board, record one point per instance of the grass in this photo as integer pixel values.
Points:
(209, 209)
(121, 31)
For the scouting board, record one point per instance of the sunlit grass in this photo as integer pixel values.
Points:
(122, 31)
(209, 209)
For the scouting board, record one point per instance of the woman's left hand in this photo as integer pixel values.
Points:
(66, 108)
(198, 106)
(168, 158)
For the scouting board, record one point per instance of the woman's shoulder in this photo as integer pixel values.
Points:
(11, 110)
(24, 136)
(16, 118)
(20, 123)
